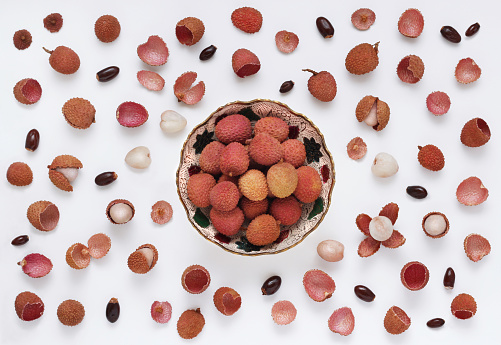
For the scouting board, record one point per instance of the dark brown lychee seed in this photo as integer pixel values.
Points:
(112, 310)
(271, 285)
(286, 86)
(208, 53)
(107, 74)
(325, 27)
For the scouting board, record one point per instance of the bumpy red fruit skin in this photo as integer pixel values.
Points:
(414, 275)
(107, 28)
(234, 127)
(463, 306)
(363, 18)
(318, 285)
(245, 63)
(28, 306)
(224, 196)
(154, 52)
(227, 300)
(309, 185)
(475, 133)
(438, 103)
(362, 59)
(342, 321)
(19, 174)
(396, 321)
(161, 312)
(195, 279)
(22, 39)
(471, 192)
(151, 80)
(467, 71)
(198, 187)
(227, 223)
(189, 30)
(287, 210)
(64, 60)
(190, 324)
(184, 90)
(411, 23)
(431, 157)
(322, 86)
(283, 312)
(263, 230)
(410, 69)
(247, 19)
(27, 91)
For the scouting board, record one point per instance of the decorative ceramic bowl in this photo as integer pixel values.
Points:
(318, 157)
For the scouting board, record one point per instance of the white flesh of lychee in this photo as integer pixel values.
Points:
(380, 228)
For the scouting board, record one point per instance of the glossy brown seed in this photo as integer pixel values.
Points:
(417, 192)
(20, 240)
(449, 278)
(435, 323)
(472, 30)
(450, 34)
(364, 293)
(325, 27)
(271, 285)
(32, 140)
(105, 178)
(107, 73)
(286, 86)
(113, 310)
(208, 52)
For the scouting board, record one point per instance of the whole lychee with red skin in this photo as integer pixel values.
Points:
(64, 60)
(362, 59)
(322, 85)
(431, 158)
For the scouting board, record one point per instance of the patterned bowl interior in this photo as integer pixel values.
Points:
(318, 157)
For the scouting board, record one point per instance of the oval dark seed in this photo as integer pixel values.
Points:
(450, 34)
(105, 178)
(113, 310)
(271, 285)
(325, 27)
(286, 86)
(364, 293)
(32, 140)
(473, 29)
(417, 192)
(449, 278)
(107, 73)
(435, 323)
(20, 240)
(208, 52)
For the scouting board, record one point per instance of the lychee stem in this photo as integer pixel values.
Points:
(419, 147)
(85, 251)
(309, 70)
(47, 50)
(22, 263)
(376, 46)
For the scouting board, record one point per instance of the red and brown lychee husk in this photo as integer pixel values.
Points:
(161, 312)
(43, 215)
(356, 148)
(22, 39)
(342, 321)
(431, 157)
(27, 91)
(245, 63)
(189, 30)
(36, 265)
(28, 306)
(463, 306)
(77, 256)
(70, 312)
(161, 212)
(107, 28)
(57, 178)
(414, 275)
(138, 263)
(283, 312)
(476, 247)
(286, 41)
(53, 22)
(151, 80)
(247, 19)
(467, 71)
(318, 285)
(396, 321)
(471, 192)
(19, 174)
(99, 245)
(363, 18)
(131, 114)
(190, 323)
(119, 201)
(184, 90)
(195, 279)
(227, 300)
(475, 133)
(154, 52)
(410, 69)
(365, 109)
(63, 60)
(438, 103)
(79, 113)
(446, 225)
(362, 59)
(411, 23)
(322, 85)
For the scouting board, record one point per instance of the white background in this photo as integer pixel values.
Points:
(104, 145)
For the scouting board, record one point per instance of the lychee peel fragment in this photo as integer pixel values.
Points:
(411, 23)
(245, 63)
(410, 69)
(438, 103)
(463, 306)
(342, 321)
(356, 148)
(99, 245)
(227, 300)
(283, 312)
(390, 211)
(368, 247)
(161, 212)
(27, 91)
(28, 306)
(36, 265)
(151, 80)
(161, 312)
(318, 285)
(467, 71)
(154, 52)
(131, 114)
(414, 275)
(286, 41)
(195, 279)
(476, 247)
(363, 18)
(471, 192)
(396, 321)
(185, 92)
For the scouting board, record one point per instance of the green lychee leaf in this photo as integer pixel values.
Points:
(201, 219)
(318, 207)
(246, 246)
(248, 113)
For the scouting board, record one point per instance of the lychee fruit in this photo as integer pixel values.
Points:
(265, 149)
(431, 157)
(234, 127)
(263, 230)
(274, 126)
(245, 63)
(253, 185)
(294, 152)
(198, 187)
(209, 158)
(252, 209)
(190, 324)
(322, 85)
(19, 174)
(286, 210)
(234, 159)
(79, 113)
(309, 184)
(224, 196)
(227, 223)
(63, 60)
(189, 30)
(282, 179)
(362, 59)
(70, 312)
(247, 19)
(107, 28)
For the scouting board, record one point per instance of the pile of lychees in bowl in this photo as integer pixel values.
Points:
(255, 177)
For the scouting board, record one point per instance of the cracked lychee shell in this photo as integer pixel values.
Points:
(138, 263)
(195, 279)
(286, 41)
(53, 22)
(476, 247)
(411, 23)
(410, 69)
(396, 321)
(77, 256)
(356, 148)
(119, 201)
(151, 80)
(189, 30)
(227, 300)
(28, 306)
(318, 285)
(19, 174)
(185, 91)
(475, 133)
(365, 110)
(43, 215)
(57, 178)
(27, 91)
(79, 113)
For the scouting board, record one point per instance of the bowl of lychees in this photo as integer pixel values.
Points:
(255, 177)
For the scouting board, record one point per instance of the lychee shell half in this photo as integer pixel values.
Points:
(476, 247)
(28, 91)
(245, 63)
(363, 18)
(471, 192)
(99, 245)
(161, 212)
(438, 103)
(410, 69)
(154, 52)
(463, 306)
(189, 30)
(184, 90)
(356, 148)
(77, 256)
(286, 41)
(151, 80)
(227, 300)
(411, 23)
(28, 306)
(283, 312)
(36, 265)
(396, 320)
(318, 285)
(414, 275)
(342, 321)
(475, 133)
(161, 312)
(43, 215)
(195, 279)
(467, 71)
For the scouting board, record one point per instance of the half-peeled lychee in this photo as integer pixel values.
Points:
(373, 111)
